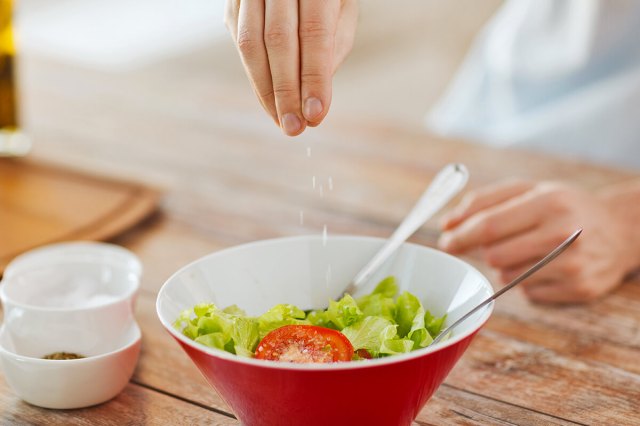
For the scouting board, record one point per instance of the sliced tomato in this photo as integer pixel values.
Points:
(363, 353)
(305, 343)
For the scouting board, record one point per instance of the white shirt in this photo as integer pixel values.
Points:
(561, 76)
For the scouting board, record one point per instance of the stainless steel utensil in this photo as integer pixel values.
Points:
(545, 260)
(447, 183)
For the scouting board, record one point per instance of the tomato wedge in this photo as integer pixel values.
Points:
(363, 353)
(304, 344)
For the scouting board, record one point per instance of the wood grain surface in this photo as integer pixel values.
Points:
(192, 128)
(43, 204)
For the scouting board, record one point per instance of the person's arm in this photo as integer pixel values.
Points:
(515, 223)
(290, 50)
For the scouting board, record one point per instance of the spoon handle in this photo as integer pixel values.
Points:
(548, 258)
(447, 183)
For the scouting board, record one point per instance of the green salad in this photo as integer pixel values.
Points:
(379, 324)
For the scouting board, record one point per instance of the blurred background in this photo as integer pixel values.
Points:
(180, 55)
(153, 91)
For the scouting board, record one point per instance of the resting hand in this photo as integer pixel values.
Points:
(517, 223)
(290, 50)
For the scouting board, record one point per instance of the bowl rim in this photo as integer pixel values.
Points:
(20, 266)
(218, 353)
(21, 261)
(41, 361)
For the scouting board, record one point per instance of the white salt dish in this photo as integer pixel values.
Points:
(71, 297)
(75, 383)
(76, 294)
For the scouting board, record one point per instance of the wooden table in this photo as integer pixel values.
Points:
(230, 177)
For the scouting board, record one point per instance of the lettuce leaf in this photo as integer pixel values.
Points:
(214, 340)
(378, 305)
(407, 306)
(380, 302)
(370, 334)
(279, 315)
(433, 324)
(234, 310)
(338, 315)
(388, 287)
(344, 313)
(320, 318)
(229, 329)
(396, 346)
(246, 336)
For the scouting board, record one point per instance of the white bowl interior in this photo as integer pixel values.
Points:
(308, 271)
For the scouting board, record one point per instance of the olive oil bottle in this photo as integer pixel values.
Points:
(12, 141)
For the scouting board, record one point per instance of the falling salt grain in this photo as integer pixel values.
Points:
(327, 275)
(330, 183)
(324, 235)
(301, 217)
(308, 151)
(313, 182)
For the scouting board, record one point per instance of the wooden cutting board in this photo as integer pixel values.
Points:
(42, 204)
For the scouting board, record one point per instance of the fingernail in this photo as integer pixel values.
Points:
(291, 124)
(312, 108)
(451, 219)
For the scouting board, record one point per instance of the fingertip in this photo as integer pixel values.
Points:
(292, 125)
(312, 110)
(446, 242)
(448, 221)
(455, 216)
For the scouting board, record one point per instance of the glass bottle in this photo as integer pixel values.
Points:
(13, 142)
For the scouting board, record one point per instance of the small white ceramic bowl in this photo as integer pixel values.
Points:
(73, 294)
(73, 383)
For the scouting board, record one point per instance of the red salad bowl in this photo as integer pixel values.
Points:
(307, 272)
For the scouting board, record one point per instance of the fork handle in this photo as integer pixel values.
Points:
(446, 185)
